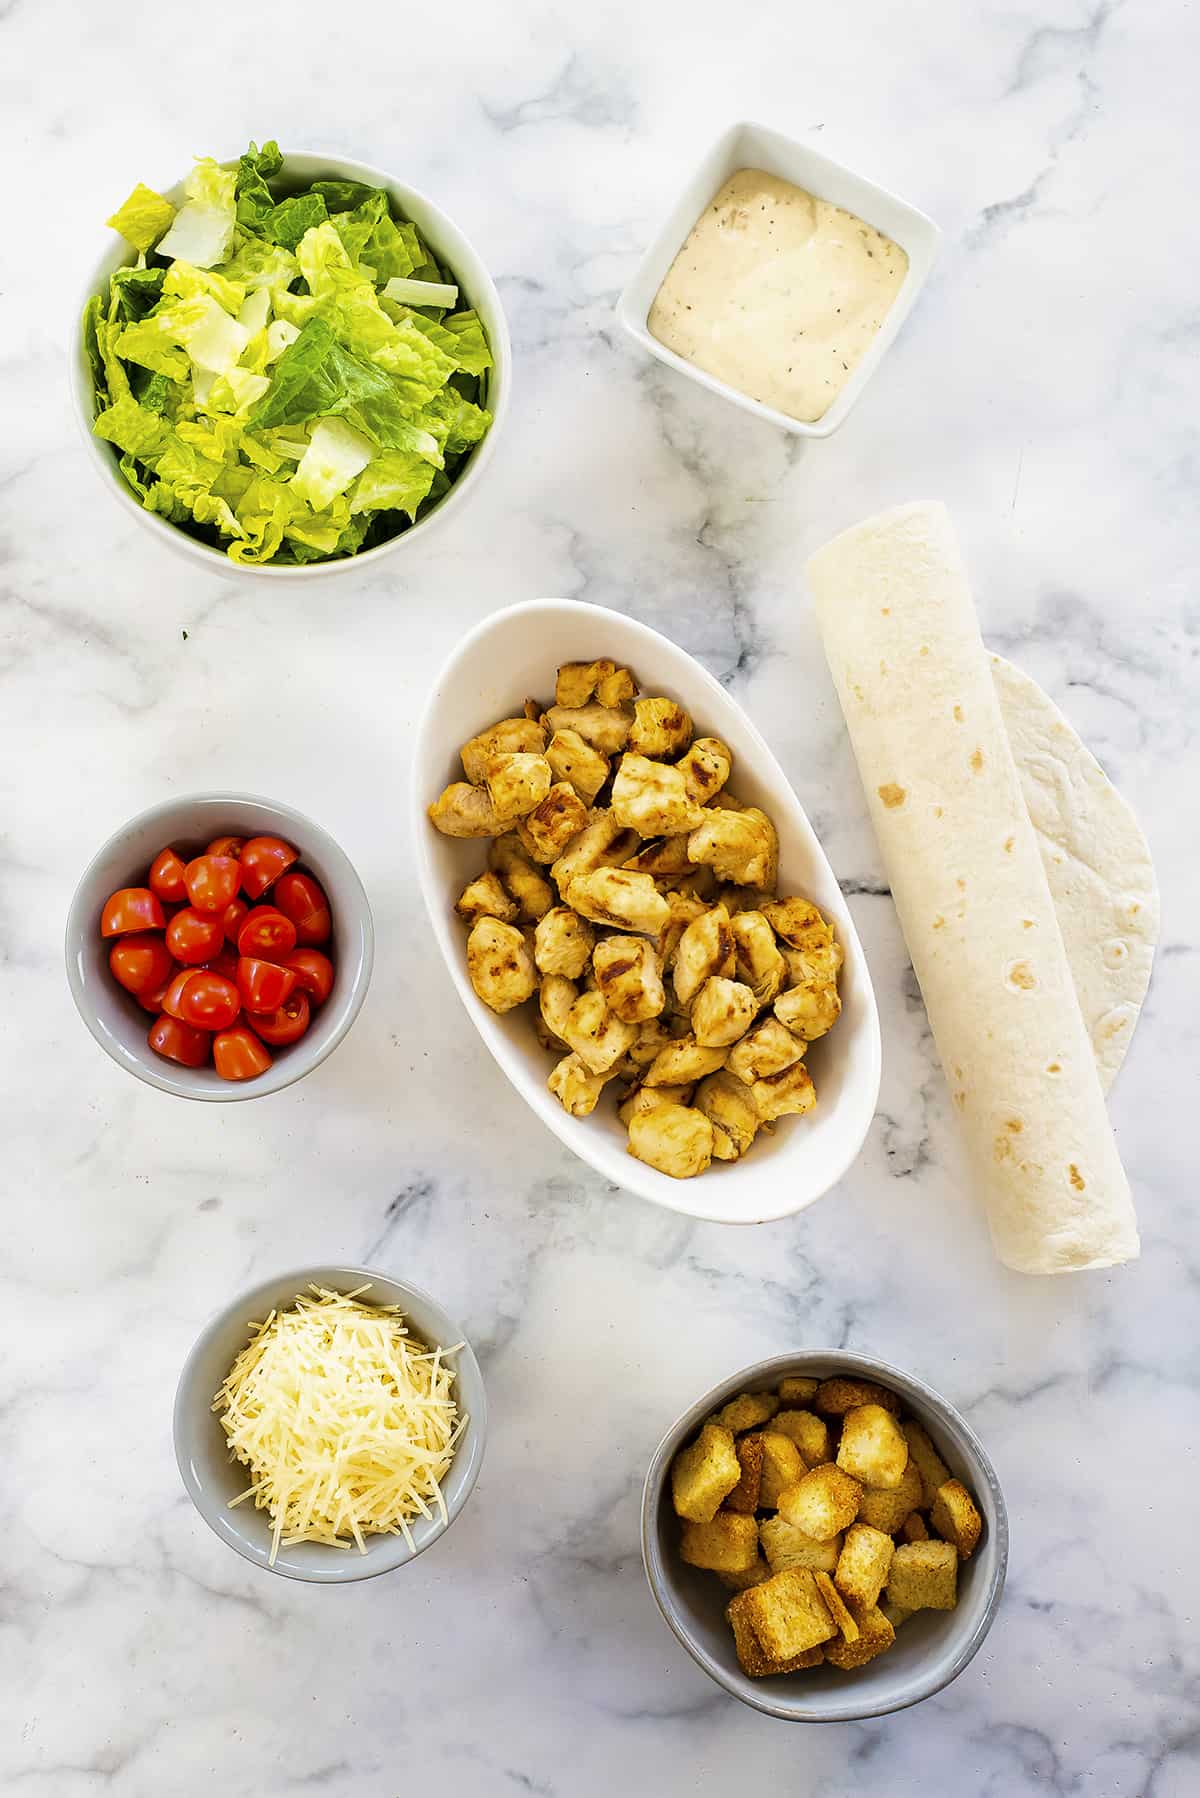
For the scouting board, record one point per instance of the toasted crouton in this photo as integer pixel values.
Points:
(702, 1475)
(835, 1397)
(729, 1544)
(835, 1604)
(822, 1503)
(929, 1463)
(787, 1613)
(752, 1656)
(872, 1447)
(754, 1575)
(913, 1528)
(886, 1510)
(895, 1613)
(863, 1564)
(955, 1517)
(786, 1546)
(796, 1390)
(744, 1497)
(809, 1432)
(875, 1634)
(924, 1576)
(783, 1465)
(747, 1411)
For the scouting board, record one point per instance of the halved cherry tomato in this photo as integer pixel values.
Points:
(194, 936)
(140, 962)
(264, 860)
(133, 908)
(232, 917)
(314, 973)
(173, 997)
(287, 1025)
(264, 985)
(209, 1001)
(212, 882)
(302, 899)
(267, 933)
(179, 1042)
(166, 877)
(153, 1002)
(239, 1055)
(224, 962)
(231, 846)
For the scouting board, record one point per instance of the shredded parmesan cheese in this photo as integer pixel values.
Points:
(346, 1423)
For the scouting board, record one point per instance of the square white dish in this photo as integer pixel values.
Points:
(515, 653)
(746, 145)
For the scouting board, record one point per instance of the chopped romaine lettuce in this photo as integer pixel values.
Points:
(143, 218)
(420, 293)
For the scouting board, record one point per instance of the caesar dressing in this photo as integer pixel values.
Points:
(777, 293)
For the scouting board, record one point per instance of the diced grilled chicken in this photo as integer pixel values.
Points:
(522, 880)
(810, 1009)
(683, 906)
(511, 736)
(705, 768)
(557, 996)
(705, 949)
(603, 726)
(466, 811)
(548, 828)
(729, 1106)
(563, 943)
(576, 762)
(682, 1061)
(578, 682)
(645, 1098)
(651, 798)
(739, 846)
(722, 1011)
(485, 897)
(767, 1049)
(737, 899)
(626, 901)
(628, 975)
(616, 688)
(760, 966)
(787, 1094)
(800, 924)
(675, 1139)
(652, 1037)
(660, 728)
(601, 843)
(516, 781)
(596, 1034)
(499, 964)
(575, 1087)
(661, 857)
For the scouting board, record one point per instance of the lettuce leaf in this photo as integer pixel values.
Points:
(256, 263)
(317, 377)
(196, 283)
(143, 218)
(254, 198)
(286, 223)
(396, 481)
(136, 291)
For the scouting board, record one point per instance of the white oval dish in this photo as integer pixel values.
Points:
(515, 653)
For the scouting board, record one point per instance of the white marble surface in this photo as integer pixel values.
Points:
(1047, 388)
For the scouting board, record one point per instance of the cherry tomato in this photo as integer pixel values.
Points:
(265, 932)
(212, 882)
(224, 962)
(133, 908)
(179, 1042)
(264, 985)
(140, 962)
(239, 1055)
(153, 1002)
(314, 973)
(173, 997)
(287, 1025)
(302, 899)
(232, 917)
(264, 860)
(166, 877)
(209, 1001)
(194, 936)
(231, 846)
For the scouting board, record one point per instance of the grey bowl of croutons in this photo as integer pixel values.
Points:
(826, 1537)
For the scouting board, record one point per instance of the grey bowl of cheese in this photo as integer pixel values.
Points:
(779, 279)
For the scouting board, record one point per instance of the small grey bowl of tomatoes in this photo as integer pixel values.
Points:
(219, 946)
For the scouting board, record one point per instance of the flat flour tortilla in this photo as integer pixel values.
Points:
(1097, 863)
(913, 677)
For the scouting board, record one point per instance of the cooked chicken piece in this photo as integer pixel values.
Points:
(799, 923)
(576, 762)
(760, 966)
(722, 1011)
(705, 949)
(549, 827)
(575, 1087)
(601, 843)
(485, 897)
(580, 681)
(546, 1036)
(652, 1037)
(767, 1049)
(705, 768)
(605, 728)
(651, 798)
(645, 1098)
(702, 884)
(557, 996)
(662, 857)
(499, 964)
(660, 728)
(524, 882)
(684, 908)
(516, 782)
(682, 1061)
(809, 1009)
(675, 1139)
(740, 846)
(533, 709)
(563, 943)
(736, 899)
(788, 1094)
(616, 688)
(464, 811)
(627, 901)
(628, 975)
(729, 1105)
(512, 736)
(596, 1034)
(725, 801)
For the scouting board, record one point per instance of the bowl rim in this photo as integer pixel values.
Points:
(284, 1072)
(921, 241)
(472, 1443)
(216, 560)
(909, 1386)
(869, 1070)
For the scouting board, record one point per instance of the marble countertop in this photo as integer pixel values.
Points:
(1047, 388)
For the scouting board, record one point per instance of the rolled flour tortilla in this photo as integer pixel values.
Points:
(916, 687)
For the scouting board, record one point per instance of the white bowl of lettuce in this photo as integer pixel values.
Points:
(290, 363)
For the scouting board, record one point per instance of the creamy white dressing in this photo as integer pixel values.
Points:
(777, 293)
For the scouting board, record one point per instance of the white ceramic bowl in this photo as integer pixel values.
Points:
(213, 1477)
(515, 653)
(114, 1017)
(748, 146)
(453, 250)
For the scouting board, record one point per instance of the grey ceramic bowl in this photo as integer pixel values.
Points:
(115, 1018)
(931, 1649)
(212, 1477)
